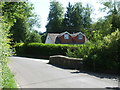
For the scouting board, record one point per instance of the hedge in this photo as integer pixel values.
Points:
(40, 50)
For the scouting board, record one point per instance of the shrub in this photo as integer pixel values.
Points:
(6, 78)
(101, 56)
(40, 50)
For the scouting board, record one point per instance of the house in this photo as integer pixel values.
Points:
(51, 38)
(66, 38)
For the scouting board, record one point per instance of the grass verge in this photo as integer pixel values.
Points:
(8, 79)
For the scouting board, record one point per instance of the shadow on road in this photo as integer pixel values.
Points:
(113, 88)
(100, 75)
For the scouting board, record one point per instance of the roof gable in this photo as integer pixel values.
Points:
(65, 33)
(52, 36)
(75, 34)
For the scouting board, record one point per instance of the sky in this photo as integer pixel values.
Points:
(41, 8)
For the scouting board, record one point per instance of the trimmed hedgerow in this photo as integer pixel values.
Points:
(40, 50)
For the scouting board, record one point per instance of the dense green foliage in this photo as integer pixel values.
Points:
(101, 56)
(19, 30)
(6, 78)
(55, 17)
(15, 23)
(101, 53)
(20, 13)
(43, 37)
(77, 18)
(40, 50)
(33, 37)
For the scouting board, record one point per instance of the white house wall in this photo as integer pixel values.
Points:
(48, 40)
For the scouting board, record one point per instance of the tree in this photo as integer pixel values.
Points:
(77, 18)
(115, 19)
(33, 37)
(22, 23)
(114, 14)
(55, 17)
(43, 37)
(34, 22)
(109, 24)
(86, 17)
(19, 30)
(67, 24)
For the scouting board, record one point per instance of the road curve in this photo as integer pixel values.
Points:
(36, 73)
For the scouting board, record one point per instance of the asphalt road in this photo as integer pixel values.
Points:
(36, 73)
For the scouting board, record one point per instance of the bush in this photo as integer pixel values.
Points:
(40, 50)
(6, 78)
(101, 56)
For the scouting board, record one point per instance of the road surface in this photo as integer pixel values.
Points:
(36, 73)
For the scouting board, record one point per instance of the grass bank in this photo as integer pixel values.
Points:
(8, 78)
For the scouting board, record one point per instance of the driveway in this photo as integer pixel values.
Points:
(36, 73)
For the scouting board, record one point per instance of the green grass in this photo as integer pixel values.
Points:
(8, 79)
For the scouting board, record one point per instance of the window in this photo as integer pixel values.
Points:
(66, 36)
(80, 37)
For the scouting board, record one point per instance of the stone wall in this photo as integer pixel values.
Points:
(66, 62)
